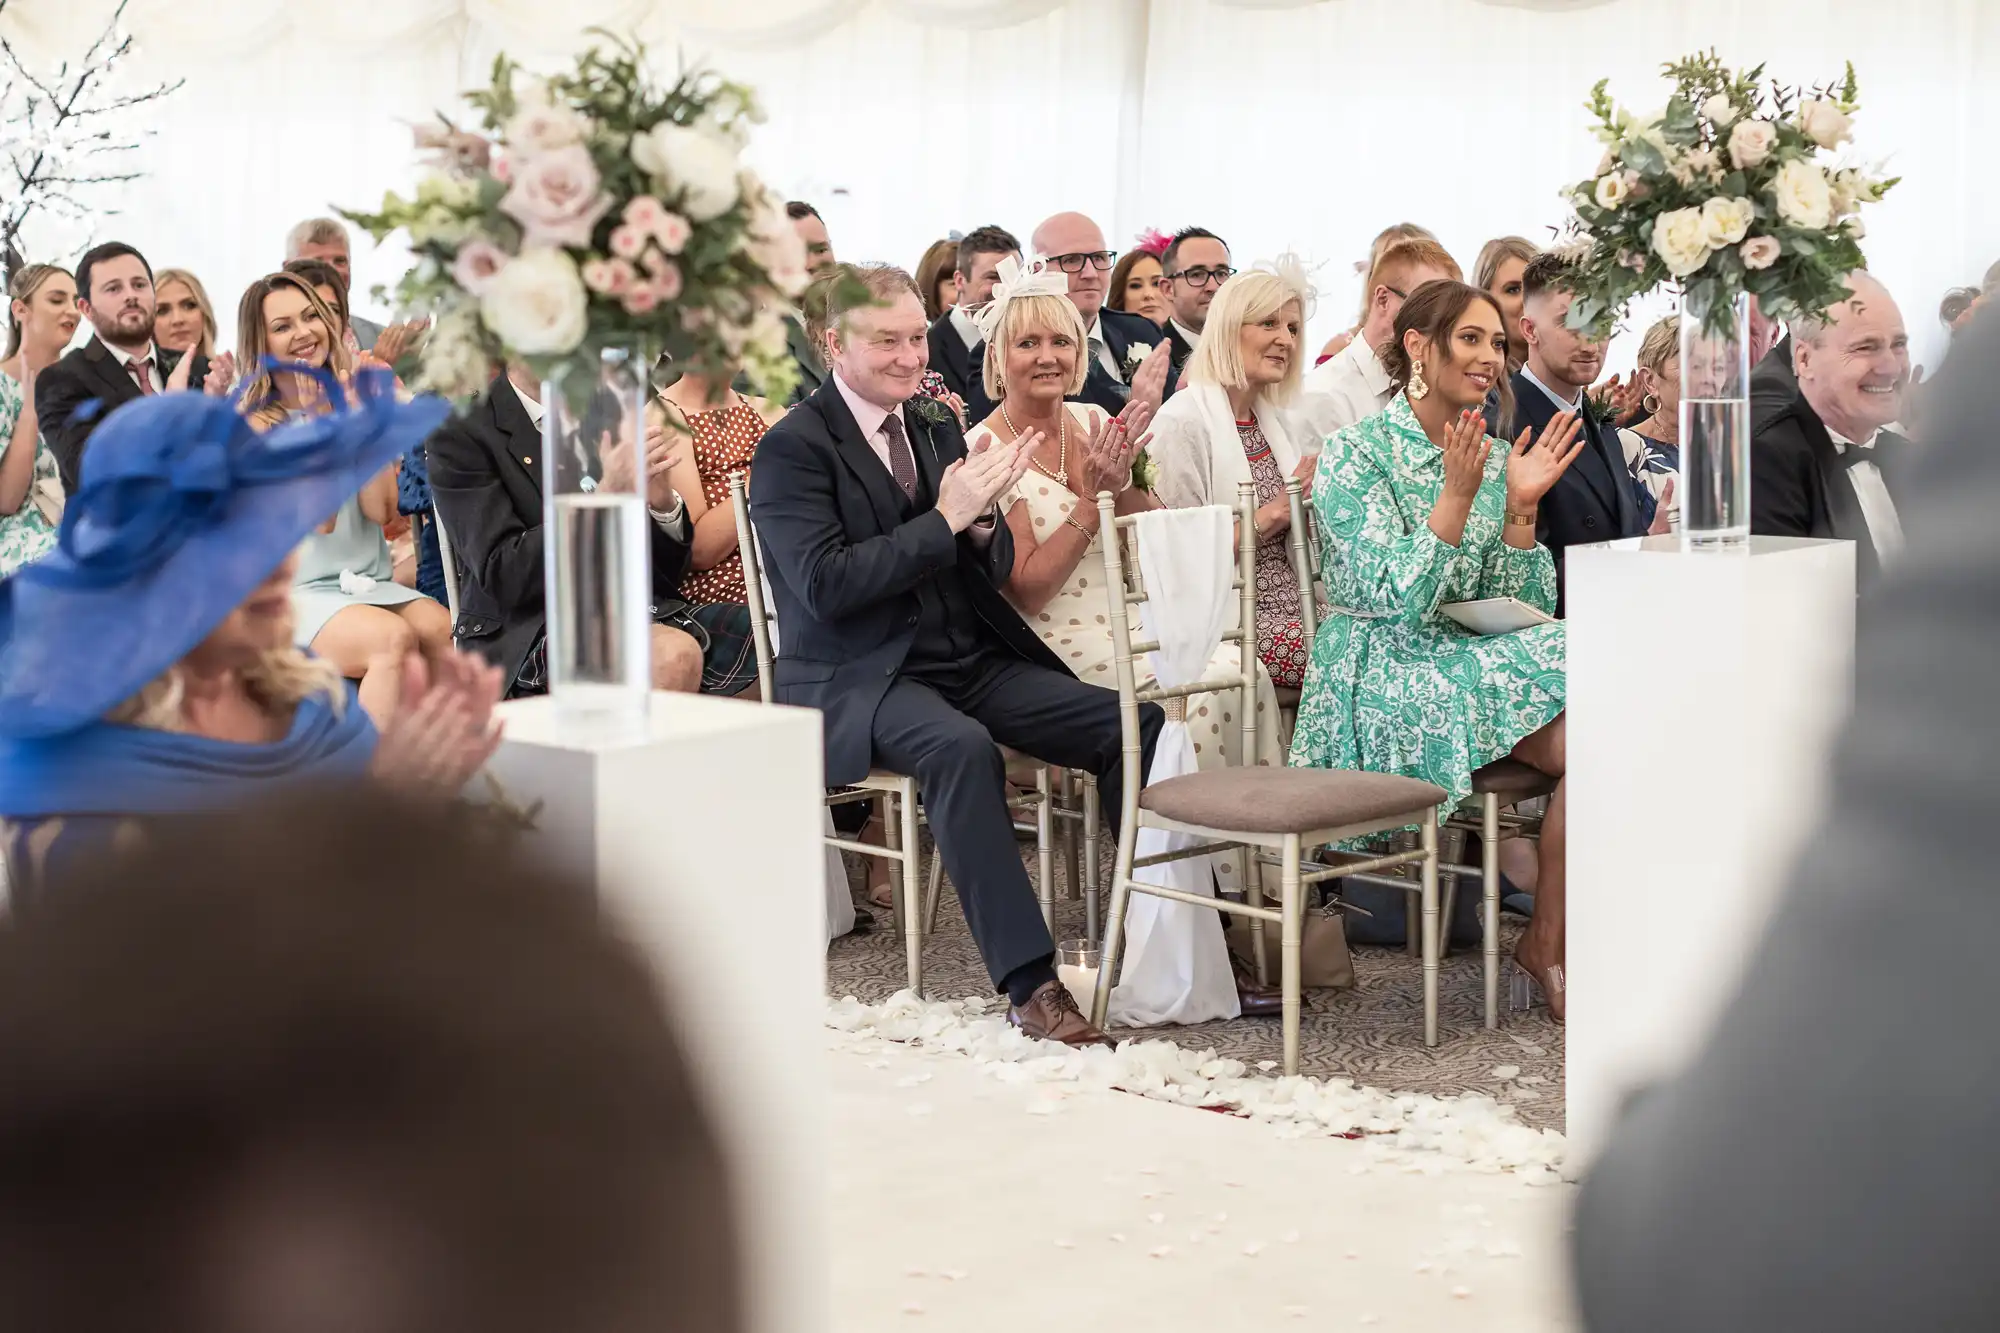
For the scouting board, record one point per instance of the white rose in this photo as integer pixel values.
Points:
(537, 305)
(1802, 196)
(1751, 142)
(698, 167)
(1615, 189)
(1760, 252)
(540, 126)
(1728, 220)
(1681, 239)
(1825, 124)
(1719, 111)
(1856, 228)
(774, 244)
(768, 334)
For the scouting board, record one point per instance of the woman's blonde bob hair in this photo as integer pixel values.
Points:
(1022, 313)
(1247, 298)
(281, 678)
(1661, 344)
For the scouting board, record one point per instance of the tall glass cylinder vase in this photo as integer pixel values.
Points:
(597, 564)
(1714, 484)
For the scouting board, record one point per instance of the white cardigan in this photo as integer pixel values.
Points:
(1199, 456)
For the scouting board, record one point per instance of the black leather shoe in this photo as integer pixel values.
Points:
(1258, 1003)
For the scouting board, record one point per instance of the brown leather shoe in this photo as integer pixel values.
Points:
(1051, 1014)
(1256, 1001)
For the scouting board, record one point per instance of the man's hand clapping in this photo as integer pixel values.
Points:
(970, 486)
(663, 450)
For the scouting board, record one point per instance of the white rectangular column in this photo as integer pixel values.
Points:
(1704, 692)
(704, 841)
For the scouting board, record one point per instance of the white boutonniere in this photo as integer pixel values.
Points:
(1136, 353)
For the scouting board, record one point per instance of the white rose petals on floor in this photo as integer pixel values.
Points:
(1412, 1132)
(1032, 1190)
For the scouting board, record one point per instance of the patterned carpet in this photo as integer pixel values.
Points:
(1372, 1033)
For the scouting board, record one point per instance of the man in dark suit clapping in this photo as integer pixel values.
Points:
(114, 290)
(1825, 460)
(887, 551)
(1597, 500)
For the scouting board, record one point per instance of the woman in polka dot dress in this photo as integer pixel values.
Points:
(725, 426)
(1058, 580)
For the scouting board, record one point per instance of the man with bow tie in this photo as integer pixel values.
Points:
(1826, 462)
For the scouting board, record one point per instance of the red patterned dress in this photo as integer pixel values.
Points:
(724, 440)
(1281, 638)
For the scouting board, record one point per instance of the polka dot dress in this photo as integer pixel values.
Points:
(1076, 625)
(723, 442)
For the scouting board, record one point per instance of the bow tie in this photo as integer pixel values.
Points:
(1853, 455)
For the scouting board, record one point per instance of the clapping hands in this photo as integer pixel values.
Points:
(971, 484)
(1531, 471)
(663, 453)
(443, 730)
(1466, 447)
(1109, 448)
(1149, 382)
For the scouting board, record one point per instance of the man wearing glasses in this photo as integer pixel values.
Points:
(1195, 264)
(1121, 346)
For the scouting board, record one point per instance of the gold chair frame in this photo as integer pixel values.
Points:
(1126, 589)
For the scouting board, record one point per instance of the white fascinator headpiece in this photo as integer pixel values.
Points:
(1290, 270)
(1035, 277)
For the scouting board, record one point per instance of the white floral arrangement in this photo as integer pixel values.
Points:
(597, 209)
(1729, 188)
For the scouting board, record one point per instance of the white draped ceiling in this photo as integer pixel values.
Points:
(1281, 124)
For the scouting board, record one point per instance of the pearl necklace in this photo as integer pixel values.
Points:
(1061, 475)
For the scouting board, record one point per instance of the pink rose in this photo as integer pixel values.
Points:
(503, 171)
(672, 232)
(479, 261)
(667, 280)
(600, 277)
(557, 198)
(1760, 252)
(627, 241)
(645, 213)
(624, 275)
(641, 300)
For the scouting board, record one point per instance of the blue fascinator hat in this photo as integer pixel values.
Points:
(182, 509)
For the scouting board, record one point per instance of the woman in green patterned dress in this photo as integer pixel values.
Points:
(1417, 509)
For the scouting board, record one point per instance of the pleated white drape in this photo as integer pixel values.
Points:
(1300, 124)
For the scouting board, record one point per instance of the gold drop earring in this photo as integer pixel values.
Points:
(1418, 390)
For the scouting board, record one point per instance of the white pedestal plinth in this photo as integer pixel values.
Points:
(1704, 690)
(704, 842)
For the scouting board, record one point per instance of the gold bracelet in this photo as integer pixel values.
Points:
(1087, 533)
(1519, 520)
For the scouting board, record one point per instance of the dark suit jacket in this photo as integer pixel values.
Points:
(952, 360)
(845, 567)
(1120, 331)
(1798, 484)
(486, 480)
(1774, 373)
(90, 373)
(1592, 502)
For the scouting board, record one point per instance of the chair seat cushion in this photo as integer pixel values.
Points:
(1287, 800)
(1512, 778)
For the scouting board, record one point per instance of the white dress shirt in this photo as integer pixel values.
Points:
(1878, 507)
(125, 359)
(669, 519)
(1188, 335)
(869, 417)
(1352, 385)
(968, 331)
(1572, 405)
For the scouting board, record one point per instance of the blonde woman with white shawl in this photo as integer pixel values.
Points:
(1035, 348)
(1232, 424)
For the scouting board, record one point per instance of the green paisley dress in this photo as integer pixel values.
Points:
(1394, 686)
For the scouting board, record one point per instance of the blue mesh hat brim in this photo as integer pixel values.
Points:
(182, 512)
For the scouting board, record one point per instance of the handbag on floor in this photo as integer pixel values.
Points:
(1324, 963)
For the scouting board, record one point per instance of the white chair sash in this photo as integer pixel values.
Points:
(1176, 967)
